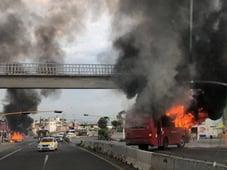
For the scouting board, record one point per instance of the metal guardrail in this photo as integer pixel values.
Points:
(54, 69)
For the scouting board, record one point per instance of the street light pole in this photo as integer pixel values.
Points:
(191, 30)
(30, 112)
(98, 116)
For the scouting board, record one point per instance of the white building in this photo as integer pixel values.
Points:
(51, 126)
(208, 129)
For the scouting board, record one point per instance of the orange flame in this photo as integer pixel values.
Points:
(183, 119)
(17, 137)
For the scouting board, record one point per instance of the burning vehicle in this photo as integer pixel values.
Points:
(16, 137)
(173, 65)
(170, 129)
(145, 131)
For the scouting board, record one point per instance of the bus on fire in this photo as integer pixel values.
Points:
(144, 131)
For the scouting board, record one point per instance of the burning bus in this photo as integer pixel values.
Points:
(144, 131)
(170, 129)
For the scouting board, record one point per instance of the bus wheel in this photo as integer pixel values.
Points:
(143, 147)
(165, 143)
(182, 143)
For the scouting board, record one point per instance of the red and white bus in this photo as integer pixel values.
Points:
(143, 131)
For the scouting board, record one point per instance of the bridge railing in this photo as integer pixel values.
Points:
(54, 69)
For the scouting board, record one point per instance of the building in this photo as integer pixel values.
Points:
(51, 125)
(55, 124)
(208, 129)
(4, 126)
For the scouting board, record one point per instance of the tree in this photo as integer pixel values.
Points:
(103, 133)
(102, 122)
(115, 123)
(118, 124)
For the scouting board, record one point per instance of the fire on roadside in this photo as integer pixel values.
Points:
(184, 119)
(16, 137)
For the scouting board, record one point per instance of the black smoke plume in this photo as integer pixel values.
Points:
(28, 34)
(21, 100)
(154, 58)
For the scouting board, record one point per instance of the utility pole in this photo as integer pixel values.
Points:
(191, 30)
(30, 112)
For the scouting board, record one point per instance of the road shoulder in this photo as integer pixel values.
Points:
(6, 146)
(115, 163)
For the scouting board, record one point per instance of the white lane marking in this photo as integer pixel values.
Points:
(111, 163)
(45, 162)
(6, 156)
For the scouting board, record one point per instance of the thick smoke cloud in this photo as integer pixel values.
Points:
(209, 46)
(14, 43)
(155, 58)
(21, 100)
(33, 31)
(209, 54)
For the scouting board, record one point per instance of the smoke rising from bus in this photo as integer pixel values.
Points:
(154, 57)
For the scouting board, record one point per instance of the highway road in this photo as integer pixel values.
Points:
(208, 154)
(68, 157)
(24, 156)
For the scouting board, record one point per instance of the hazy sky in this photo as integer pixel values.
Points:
(93, 45)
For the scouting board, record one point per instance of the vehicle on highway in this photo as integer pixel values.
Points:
(42, 133)
(144, 131)
(48, 143)
(59, 138)
(71, 133)
(82, 132)
(61, 134)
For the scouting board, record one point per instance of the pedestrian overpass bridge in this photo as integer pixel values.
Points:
(66, 76)
(57, 76)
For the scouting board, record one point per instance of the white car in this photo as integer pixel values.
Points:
(48, 143)
(71, 133)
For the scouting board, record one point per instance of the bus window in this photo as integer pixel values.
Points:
(167, 122)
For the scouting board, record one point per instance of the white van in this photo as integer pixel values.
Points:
(71, 133)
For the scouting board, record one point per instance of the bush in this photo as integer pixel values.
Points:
(103, 134)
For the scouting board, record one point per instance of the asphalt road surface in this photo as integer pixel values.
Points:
(24, 156)
(208, 154)
(68, 157)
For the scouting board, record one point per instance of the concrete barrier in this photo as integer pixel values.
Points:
(144, 160)
(189, 164)
(131, 156)
(119, 152)
(162, 162)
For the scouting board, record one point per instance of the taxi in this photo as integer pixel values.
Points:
(48, 144)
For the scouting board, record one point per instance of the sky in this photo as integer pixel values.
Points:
(96, 103)
(92, 45)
